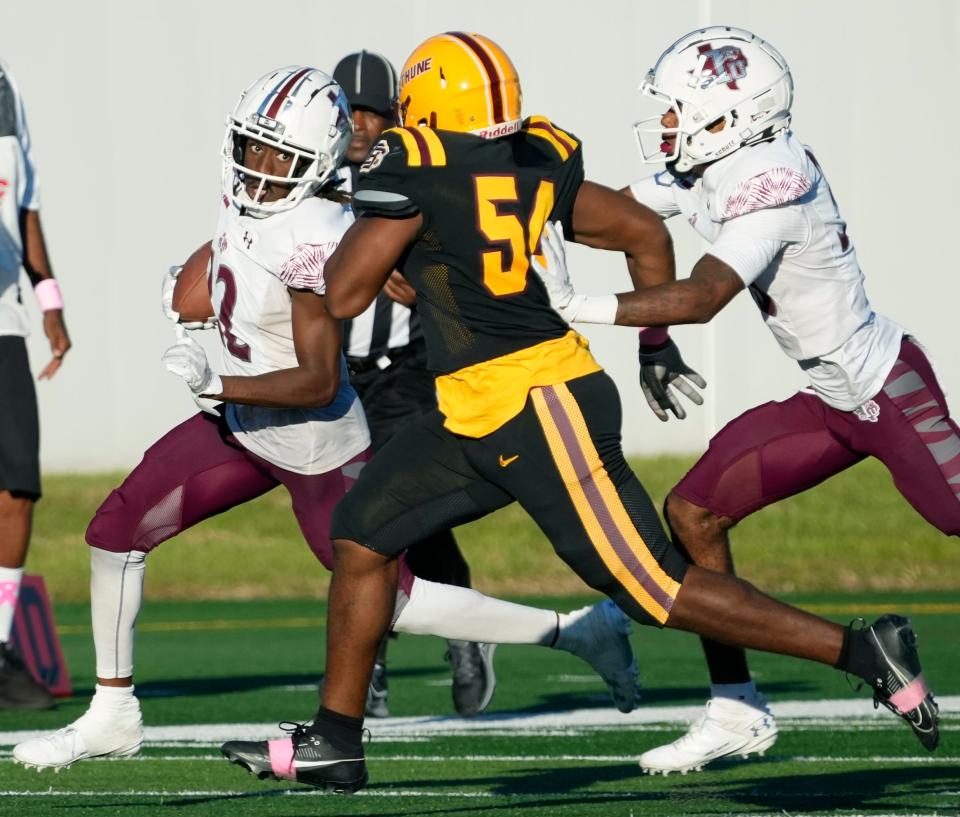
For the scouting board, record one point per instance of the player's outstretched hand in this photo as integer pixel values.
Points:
(661, 371)
(56, 332)
(187, 359)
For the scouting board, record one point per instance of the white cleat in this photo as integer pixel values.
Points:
(727, 727)
(93, 734)
(600, 635)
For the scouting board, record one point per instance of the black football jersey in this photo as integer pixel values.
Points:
(484, 203)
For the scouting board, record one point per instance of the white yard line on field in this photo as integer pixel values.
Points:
(847, 712)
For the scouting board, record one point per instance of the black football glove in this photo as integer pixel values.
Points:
(661, 368)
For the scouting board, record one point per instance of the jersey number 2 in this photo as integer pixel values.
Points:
(518, 240)
(228, 303)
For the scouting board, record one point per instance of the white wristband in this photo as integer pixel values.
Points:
(597, 309)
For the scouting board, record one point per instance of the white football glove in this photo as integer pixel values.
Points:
(166, 302)
(661, 368)
(556, 279)
(187, 359)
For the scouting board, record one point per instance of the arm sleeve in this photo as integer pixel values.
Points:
(656, 192)
(750, 243)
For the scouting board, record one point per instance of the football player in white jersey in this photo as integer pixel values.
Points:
(748, 186)
(290, 417)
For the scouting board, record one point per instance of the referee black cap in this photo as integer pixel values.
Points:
(369, 81)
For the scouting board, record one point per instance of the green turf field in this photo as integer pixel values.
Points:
(851, 533)
(548, 745)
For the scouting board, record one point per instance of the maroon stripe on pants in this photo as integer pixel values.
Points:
(596, 501)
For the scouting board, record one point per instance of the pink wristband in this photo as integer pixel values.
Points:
(654, 335)
(48, 294)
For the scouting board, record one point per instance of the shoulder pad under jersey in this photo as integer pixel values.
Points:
(565, 144)
(770, 174)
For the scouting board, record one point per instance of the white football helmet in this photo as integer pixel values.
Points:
(712, 74)
(300, 110)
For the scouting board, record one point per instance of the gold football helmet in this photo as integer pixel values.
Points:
(461, 82)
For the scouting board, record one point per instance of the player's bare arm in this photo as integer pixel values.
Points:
(37, 264)
(608, 220)
(710, 287)
(311, 384)
(364, 260)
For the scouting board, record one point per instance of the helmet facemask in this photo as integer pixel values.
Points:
(751, 94)
(316, 139)
(308, 169)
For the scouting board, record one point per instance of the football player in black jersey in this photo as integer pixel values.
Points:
(457, 199)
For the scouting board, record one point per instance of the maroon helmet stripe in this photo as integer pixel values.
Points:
(492, 73)
(426, 160)
(284, 91)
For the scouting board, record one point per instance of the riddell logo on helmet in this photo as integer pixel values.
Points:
(498, 130)
(416, 70)
(723, 65)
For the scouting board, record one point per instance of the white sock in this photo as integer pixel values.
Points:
(746, 692)
(116, 591)
(464, 614)
(115, 698)
(10, 578)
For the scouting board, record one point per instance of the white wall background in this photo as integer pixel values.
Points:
(126, 100)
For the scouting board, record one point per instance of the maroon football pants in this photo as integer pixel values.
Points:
(198, 470)
(780, 449)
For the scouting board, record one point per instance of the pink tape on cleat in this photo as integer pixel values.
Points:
(281, 758)
(911, 696)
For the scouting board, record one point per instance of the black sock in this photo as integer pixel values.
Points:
(341, 728)
(857, 655)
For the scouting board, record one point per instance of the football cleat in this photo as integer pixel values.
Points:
(898, 682)
(600, 635)
(727, 727)
(96, 733)
(474, 680)
(377, 693)
(18, 688)
(302, 756)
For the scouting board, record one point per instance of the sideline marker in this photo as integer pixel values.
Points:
(34, 635)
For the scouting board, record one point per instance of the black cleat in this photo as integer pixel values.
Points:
(18, 688)
(898, 683)
(302, 756)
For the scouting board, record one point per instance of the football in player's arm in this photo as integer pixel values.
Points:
(289, 417)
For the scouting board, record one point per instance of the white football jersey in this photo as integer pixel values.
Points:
(255, 260)
(18, 191)
(768, 213)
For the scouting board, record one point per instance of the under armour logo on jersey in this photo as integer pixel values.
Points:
(869, 412)
(718, 65)
(247, 239)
